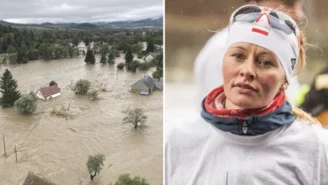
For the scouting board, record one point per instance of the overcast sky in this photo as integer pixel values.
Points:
(38, 11)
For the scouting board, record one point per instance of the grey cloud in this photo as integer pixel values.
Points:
(37, 11)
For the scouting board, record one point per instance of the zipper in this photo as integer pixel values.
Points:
(244, 124)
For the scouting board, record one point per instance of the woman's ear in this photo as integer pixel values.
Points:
(284, 86)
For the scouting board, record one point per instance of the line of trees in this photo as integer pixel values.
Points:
(28, 44)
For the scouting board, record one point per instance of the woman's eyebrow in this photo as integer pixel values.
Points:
(239, 47)
(265, 53)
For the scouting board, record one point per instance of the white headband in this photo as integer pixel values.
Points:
(284, 46)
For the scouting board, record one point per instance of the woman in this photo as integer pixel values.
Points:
(248, 133)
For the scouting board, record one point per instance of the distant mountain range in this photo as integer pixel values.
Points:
(118, 24)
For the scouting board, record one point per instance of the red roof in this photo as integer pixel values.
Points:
(48, 91)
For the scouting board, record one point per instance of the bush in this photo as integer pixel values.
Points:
(156, 75)
(144, 66)
(120, 66)
(125, 179)
(26, 104)
(134, 65)
(53, 83)
(93, 95)
(153, 63)
(82, 86)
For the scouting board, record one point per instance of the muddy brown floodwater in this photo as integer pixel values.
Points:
(57, 148)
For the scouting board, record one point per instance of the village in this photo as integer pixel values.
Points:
(77, 110)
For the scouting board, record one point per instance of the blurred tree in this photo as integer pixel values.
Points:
(125, 179)
(150, 46)
(134, 66)
(103, 59)
(53, 83)
(135, 117)
(128, 59)
(82, 86)
(120, 66)
(90, 58)
(75, 40)
(8, 88)
(95, 164)
(26, 104)
(111, 59)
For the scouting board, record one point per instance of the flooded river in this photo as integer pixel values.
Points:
(57, 148)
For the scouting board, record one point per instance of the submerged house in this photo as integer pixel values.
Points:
(150, 56)
(144, 86)
(33, 179)
(47, 93)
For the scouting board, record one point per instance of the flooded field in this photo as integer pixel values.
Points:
(57, 148)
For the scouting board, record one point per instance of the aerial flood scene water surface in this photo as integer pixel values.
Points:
(81, 95)
(57, 146)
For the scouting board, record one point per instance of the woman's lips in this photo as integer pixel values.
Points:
(244, 87)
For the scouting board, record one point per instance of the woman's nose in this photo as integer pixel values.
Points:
(248, 70)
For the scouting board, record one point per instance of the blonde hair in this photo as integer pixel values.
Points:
(299, 113)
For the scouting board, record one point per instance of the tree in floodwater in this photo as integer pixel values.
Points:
(128, 58)
(135, 117)
(120, 66)
(103, 59)
(75, 40)
(8, 88)
(26, 104)
(86, 41)
(150, 46)
(53, 83)
(134, 65)
(95, 164)
(90, 58)
(111, 59)
(126, 179)
(82, 86)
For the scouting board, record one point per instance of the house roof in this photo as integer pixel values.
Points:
(33, 179)
(48, 91)
(159, 85)
(145, 82)
(148, 81)
(154, 54)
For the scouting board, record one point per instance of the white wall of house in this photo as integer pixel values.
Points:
(53, 96)
(148, 58)
(39, 95)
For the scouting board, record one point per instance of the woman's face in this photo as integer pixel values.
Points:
(252, 76)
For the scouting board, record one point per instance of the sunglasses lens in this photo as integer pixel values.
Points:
(250, 17)
(278, 20)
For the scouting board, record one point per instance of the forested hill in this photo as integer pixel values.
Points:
(119, 24)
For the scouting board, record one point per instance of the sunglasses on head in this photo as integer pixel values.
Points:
(276, 19)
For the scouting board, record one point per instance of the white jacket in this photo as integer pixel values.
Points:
(198, 153)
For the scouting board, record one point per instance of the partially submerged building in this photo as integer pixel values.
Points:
(33, 179)
(47, 93)
(150, 56)
(143, 86)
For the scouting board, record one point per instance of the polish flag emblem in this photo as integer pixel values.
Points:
(262, 25)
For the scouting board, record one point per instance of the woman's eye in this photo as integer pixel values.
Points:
(238, 56)
(266, 63)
